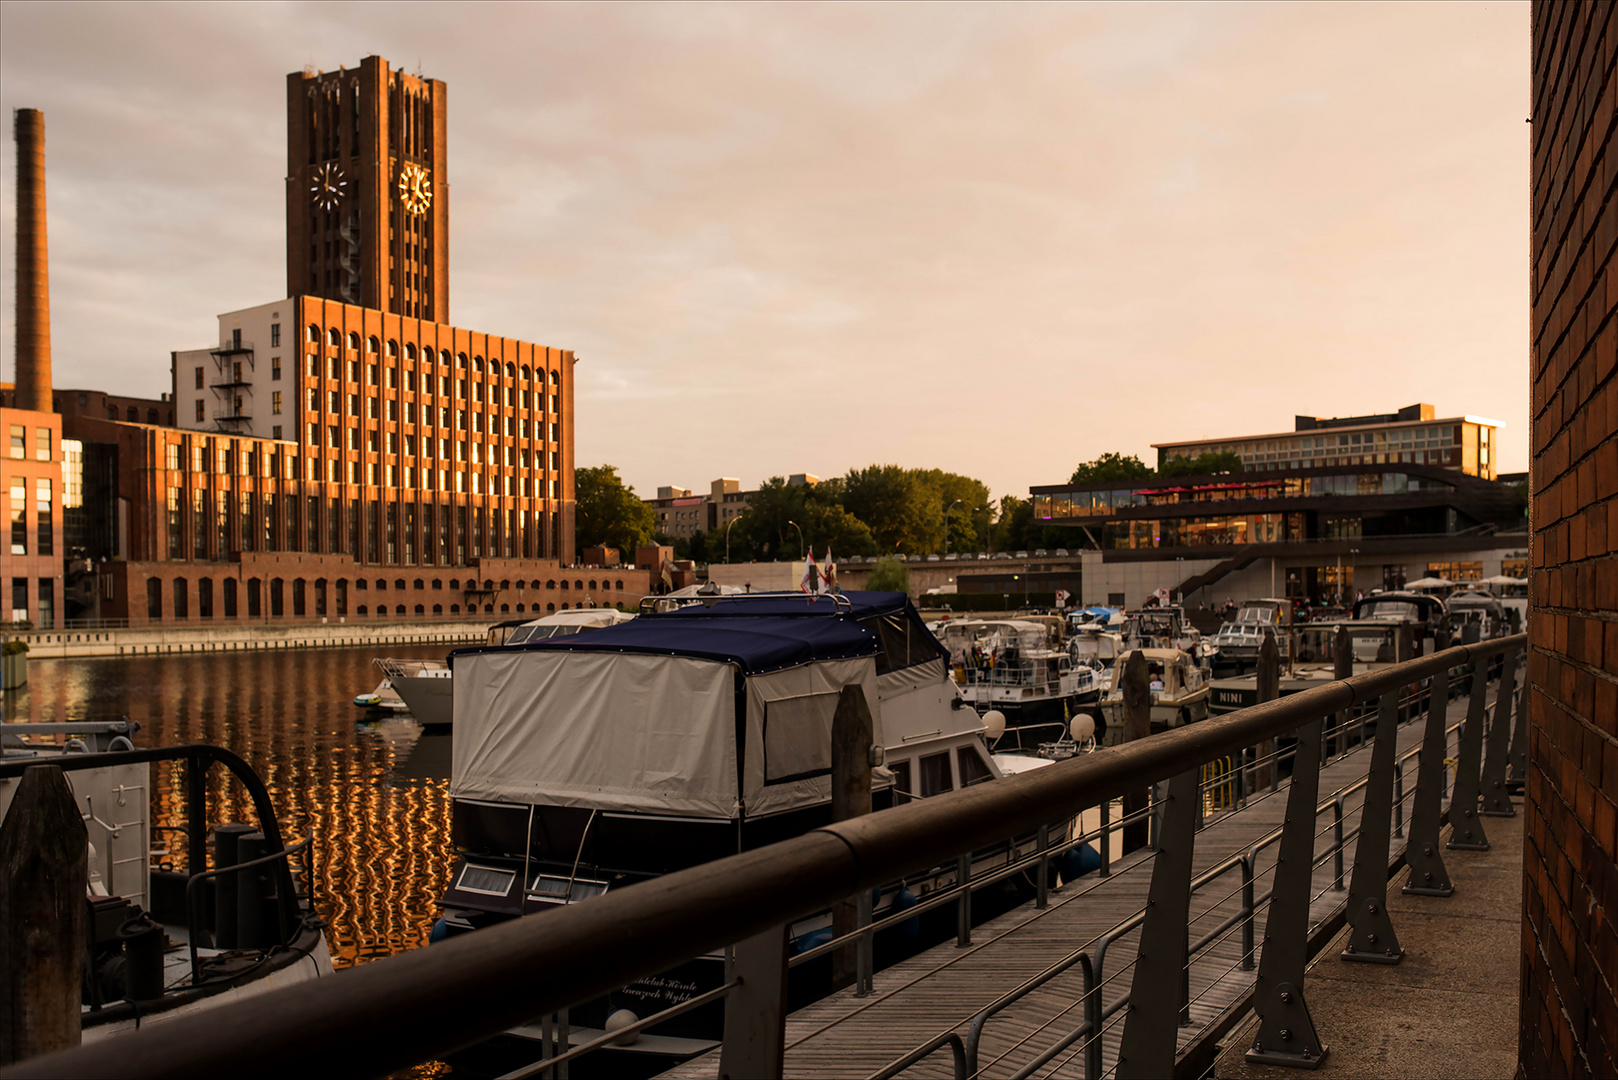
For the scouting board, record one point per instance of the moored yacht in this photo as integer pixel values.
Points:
(1012, 666)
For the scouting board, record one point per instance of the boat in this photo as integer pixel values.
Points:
(1166, 627)
(1179, 693)
(1014, 667)
(1239, 640)
(588, 763)
(426, 687)
(1476, 616)
(1093, 642)
(1425, 613)
(385, 698)
(161, 941)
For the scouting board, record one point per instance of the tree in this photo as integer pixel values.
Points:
(890, 501)
(607, 512)
(889, 575)
(1111, 466)
(1210, 464)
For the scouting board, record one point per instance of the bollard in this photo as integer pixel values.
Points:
(253, 930)
(756, 1011)
(1136, 685)
(43, 877)
(226, 847)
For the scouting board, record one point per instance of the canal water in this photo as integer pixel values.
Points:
(373, 792)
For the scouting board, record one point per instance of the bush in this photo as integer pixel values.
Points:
(889, 575)
(14, 646)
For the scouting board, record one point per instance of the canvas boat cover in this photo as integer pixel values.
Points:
(643, 716)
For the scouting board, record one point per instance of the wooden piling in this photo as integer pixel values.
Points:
(851, 736)
(44, 871)
(1268, 678)
(1136, 684)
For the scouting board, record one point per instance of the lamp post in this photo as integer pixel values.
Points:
(728, 524)
(1353, 558)
(795, 525)
(947, 509)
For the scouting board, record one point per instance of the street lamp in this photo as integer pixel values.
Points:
(947, 509)
(728, 524)
(795, 525)
(1353, 554)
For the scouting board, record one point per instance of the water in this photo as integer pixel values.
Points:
(374, 794)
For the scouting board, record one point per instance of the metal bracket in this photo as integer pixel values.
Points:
(1151, 1029)
(1373, 940)
(1466, 828)
(1286, 1033)
(1496, 800)
(1428, 877)
(1517, 779)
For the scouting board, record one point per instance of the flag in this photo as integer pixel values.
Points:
(828, 576)
(810, 582)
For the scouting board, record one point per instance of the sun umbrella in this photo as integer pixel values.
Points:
(1429, 583)
(1503, 579)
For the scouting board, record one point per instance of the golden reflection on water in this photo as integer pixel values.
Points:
(373, 794)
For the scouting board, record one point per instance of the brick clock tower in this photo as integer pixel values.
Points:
(368, 190)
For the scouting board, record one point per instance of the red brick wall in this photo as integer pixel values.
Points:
(1570, 952)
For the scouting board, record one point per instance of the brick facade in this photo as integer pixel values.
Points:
(1569, 1024)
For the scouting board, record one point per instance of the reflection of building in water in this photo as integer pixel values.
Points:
(382, 842)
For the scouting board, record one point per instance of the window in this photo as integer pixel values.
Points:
(275, 367)
(19, 515)
(19, 441)
(275, 432)
(42, 442)
(901, 782)
(972, 768)
(199, 378)
(312, 333)
(275, 402)
(335, 337)
(935, 777)
(275, 334)
(200, 413)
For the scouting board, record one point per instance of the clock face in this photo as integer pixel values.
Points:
(415, 189)
(328, 187)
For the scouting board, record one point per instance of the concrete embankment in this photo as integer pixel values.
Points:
(62, 644)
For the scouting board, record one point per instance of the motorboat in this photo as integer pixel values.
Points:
(1178, 688)
(1012, 666)
(385, 698)
(426, 687)
(1427, 615)
(1476, 616)
(1238, 641)
(1166, 627)
(584, 764)
(167, 934)
(1094, 643)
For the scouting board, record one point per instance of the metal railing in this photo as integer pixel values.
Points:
(394, 1013)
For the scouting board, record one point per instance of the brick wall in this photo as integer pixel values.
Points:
(1570, 952)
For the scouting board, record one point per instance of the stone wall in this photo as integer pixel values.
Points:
(1569, 1023)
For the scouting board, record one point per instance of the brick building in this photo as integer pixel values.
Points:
(1569, 1023)
(343, 452)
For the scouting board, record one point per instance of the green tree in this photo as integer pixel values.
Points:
(1210, 464)
(889, 500)
(1111, 466)
(889, 575)
(608, 512)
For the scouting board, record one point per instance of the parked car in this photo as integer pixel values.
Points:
(1061, 553)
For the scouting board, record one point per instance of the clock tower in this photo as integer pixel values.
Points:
(368, 190)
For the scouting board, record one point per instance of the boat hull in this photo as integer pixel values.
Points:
(430, 701)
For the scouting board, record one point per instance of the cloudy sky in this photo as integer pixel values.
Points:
(995, 239)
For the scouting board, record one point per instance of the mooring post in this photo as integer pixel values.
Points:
(1286, 1033)
(756, 1010)
(1151, 1028)
(1342, 668)
(851, 734)
(1496, 800)
(43, 876)
(1373, 938)
(1268, 679)
(1137, 688)
(1466, 828)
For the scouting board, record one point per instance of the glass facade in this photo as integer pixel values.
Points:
(1085, 503)
(1451, 444)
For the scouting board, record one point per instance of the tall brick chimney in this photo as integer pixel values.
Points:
(33, 364)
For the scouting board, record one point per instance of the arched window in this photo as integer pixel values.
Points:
(506, 583)
(151, 416)
(555, 380)
(393, 349)
(455, 609)
(520, 609)
(527, 373)
(335, 337)
(488, 585)
(564, 585)
(132, 414)
(550, 607)
(446, 358)
(361, 584)
(618, 585)
(399, 584)
(505, 609)
(511, 370)
(410, 351)
(382, 584)
(535, 585)
(477, 364)
(354, 341)
(361, 610)
(420, 610)
(488, 609)
(460, 359)
(438, 583)
(438, 609)
(420, 584)
(592, 584)
(550, 584)
(371, 345)
(454, 583)
(313, 333)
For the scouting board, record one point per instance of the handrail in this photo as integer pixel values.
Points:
(385, 1016)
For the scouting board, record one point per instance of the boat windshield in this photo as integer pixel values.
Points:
(1402, 610)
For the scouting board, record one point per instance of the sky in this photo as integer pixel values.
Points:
(994, 239)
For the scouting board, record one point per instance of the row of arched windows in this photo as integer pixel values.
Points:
(228, 598)
(334, 338)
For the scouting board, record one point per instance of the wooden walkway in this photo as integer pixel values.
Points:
(940, 990)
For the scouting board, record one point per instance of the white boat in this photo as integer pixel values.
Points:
(586, 764)
(1012, 666)
(150, 956)
(1178, 687)
(427, 688)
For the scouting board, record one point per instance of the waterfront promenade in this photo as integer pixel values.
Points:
(248, 637)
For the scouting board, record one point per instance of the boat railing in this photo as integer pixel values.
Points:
(395, 668)
(398, 1012)
(286, 915)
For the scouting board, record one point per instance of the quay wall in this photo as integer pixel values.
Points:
(144, 641)
(1569, 1008)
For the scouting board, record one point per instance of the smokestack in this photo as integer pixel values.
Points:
(33, 363)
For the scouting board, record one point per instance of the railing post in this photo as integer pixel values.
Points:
(1106, 838)
(1150, 1029)
(1286, 1033)
(1135, 683)
(756, 1011)
(1267, 684)
(851, 728)
(1398, 798)
(1042, 840)
(864, 962)
(196, 815)
(1466, 829)
(963, 903)
(1248, 904)
(1496, 801)
(1337, 843)
(1517, 781)
(1373, 938)
(1428, 877)
(1342, 668)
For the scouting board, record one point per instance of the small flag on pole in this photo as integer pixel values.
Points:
(810, 582)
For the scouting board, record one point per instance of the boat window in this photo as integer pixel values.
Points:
(901, 781)
(551, 887)
(935, 777)
(486, 880)
(904, 644)
(973, 769)
(797, 737)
